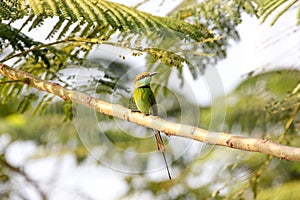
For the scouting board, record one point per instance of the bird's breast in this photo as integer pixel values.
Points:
(143, 98)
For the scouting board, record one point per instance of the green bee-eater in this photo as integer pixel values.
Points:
(146, 103)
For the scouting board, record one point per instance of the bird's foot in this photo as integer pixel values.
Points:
(135, 111)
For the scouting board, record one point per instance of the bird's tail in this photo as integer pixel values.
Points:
(161, 148)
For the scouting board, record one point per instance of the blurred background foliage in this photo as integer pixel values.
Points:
(260, 106)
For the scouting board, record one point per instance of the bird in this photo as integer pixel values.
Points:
(146, 103)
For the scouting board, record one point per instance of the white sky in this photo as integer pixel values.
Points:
(262, 47)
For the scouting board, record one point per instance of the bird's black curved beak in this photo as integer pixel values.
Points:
(153, 73)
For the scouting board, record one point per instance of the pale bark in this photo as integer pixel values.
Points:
(172, 129)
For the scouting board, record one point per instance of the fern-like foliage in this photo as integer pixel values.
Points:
(181, 39)
(93, 19)
(221, 17)
(10, 9)
(81, 25)
(269, 7)
(98, 16)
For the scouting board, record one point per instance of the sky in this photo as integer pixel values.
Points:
(261, 48)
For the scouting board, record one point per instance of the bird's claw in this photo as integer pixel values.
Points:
(135, 111)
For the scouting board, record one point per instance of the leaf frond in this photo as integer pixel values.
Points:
(269, 8)
(96, 13)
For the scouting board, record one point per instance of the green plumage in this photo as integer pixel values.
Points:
(145, 100)
(146, 103)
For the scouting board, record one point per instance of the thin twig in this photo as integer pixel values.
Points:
(15, 81)
(140, 3)
(72, 40)
(149, 50)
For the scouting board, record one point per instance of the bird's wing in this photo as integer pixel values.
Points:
(153, 103)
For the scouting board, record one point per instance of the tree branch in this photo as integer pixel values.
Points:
(213, 138)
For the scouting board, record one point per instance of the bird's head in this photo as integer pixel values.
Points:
(143, 79)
